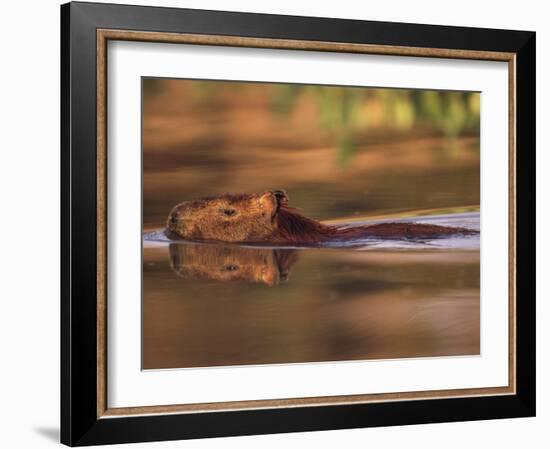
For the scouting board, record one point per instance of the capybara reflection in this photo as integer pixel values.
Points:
(266, 217)
(231, 263)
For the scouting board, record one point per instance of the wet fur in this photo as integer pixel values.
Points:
(294, 227)
(267, 218)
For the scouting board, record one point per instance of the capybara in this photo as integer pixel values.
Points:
(267, 218)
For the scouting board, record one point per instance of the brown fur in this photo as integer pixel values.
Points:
(266, 217)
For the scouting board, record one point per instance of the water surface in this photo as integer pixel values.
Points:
(215, 305)
(208, 304)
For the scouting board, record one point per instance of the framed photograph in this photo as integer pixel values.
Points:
(280, 224)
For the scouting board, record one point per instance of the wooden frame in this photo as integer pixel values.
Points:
(86, 29)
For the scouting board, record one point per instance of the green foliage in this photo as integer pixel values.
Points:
(339, 113)
(284, 98)
(451, 113)
(344, 111)
(346, 148)
(400, 110)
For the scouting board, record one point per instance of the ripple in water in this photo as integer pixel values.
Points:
(469, 220)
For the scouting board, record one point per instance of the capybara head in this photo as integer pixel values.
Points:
(228, 218)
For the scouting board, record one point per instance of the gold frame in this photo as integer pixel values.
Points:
(103, 36)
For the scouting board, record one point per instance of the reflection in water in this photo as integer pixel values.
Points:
(339, 304)
(231, 263)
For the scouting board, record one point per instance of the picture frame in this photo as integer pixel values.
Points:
(86, 29)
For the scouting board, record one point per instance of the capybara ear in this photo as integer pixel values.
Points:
(269, 203)
(281, 196)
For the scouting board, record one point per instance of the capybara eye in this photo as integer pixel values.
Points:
(230, 268)
(228, 212)
(173, 219)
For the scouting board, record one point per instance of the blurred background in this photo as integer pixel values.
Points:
(338, 151)
(341, 153)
